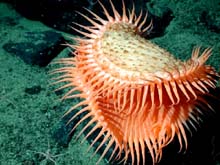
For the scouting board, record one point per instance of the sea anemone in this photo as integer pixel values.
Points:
(136, 94)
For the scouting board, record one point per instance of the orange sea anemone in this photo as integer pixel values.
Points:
(135, 93)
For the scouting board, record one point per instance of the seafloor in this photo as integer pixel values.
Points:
(31, 112)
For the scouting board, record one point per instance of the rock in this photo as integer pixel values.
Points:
(212, 20)
(31, 41)
(60, 14)
(40, 48)
(161, 15)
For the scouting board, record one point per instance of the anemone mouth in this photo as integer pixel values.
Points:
(138, 94)
(138, 56)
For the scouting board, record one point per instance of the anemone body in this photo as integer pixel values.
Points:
(138, 94)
